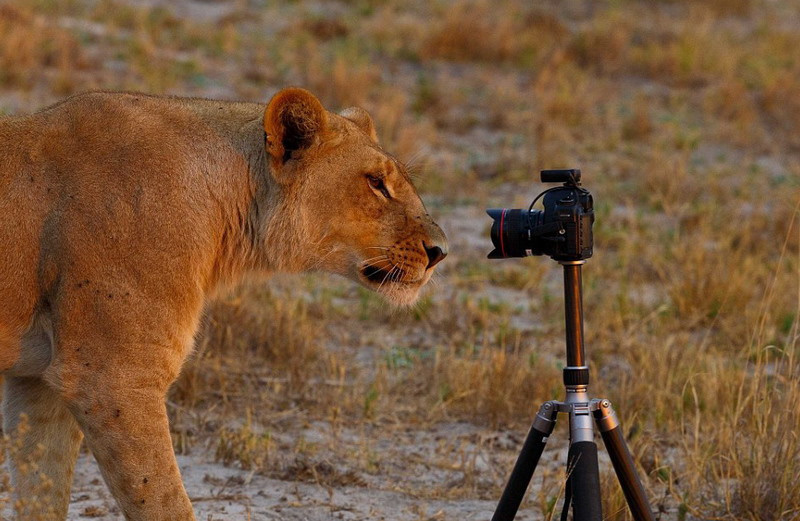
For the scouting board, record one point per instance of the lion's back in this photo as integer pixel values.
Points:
(90, 184)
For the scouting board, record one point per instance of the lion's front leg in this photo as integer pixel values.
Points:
(119, 403)
(128, 433)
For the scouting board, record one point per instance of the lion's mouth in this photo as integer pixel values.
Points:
(381, 275)
(394, 283)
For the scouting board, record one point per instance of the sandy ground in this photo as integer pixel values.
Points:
(441, 473)
(221, 492)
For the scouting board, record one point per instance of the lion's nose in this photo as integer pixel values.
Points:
(435, 255)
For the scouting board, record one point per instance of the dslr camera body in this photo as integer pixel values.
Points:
(562, 230)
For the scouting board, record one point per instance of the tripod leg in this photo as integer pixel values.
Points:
(623, 462)
(584, 481)
(526, 463)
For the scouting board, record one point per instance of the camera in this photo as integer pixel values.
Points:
(562, 230)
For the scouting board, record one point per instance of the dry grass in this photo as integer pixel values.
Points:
(685, 119)
(34, 50)
(36, 506)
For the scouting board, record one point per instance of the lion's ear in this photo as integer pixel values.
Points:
(293, 121)
(362, 120)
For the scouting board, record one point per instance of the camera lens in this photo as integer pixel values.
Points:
(510, 231)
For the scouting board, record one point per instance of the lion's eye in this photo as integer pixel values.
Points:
(376, 183)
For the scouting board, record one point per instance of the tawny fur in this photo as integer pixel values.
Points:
(122, 213)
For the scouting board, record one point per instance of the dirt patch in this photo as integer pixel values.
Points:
(221, 492)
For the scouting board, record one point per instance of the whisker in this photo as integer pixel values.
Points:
(323, 258)
(398, 275)
(397, 271)
(377, 257)
(388, 273)
(412, 162)
(383, 265)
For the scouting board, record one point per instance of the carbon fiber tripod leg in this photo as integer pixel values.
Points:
(584, 481)
(623, 462)
(526, 463)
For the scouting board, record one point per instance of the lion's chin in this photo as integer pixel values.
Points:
(400, 294)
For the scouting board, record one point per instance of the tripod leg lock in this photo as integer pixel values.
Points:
(545, 419)
(622, 460)
(604, 415)
(526, 463)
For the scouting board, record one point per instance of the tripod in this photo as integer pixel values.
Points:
(583, 482)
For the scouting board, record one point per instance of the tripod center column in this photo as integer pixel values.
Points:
(577, 371)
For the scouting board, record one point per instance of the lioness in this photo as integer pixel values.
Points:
(121, 213)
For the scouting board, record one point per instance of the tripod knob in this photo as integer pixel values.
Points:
(576, 376)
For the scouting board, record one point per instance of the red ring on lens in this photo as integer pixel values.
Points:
(502, 232)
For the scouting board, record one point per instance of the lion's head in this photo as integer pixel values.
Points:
(360, 214)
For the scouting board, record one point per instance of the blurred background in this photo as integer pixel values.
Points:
(308, 398)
